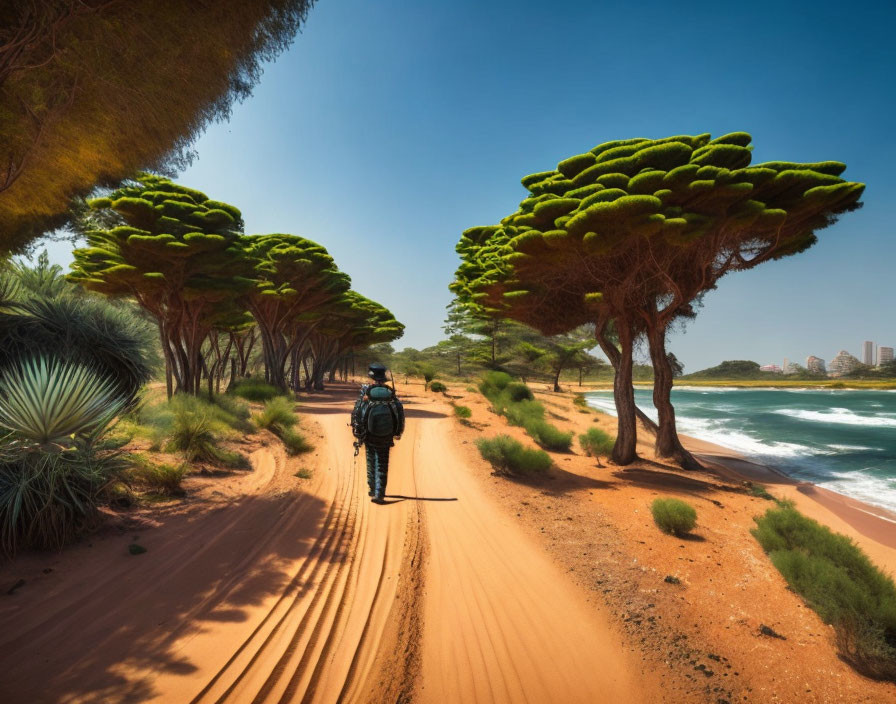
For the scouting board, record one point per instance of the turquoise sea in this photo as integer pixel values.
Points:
(843, 440)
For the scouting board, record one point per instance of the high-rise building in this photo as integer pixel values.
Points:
(884, 355)
(843, 363)
(868, 353)
(815, 365)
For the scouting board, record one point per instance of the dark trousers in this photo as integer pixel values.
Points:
(377, 467)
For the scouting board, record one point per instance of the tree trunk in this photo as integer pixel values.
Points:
(557, 381)
(624, 450)
(612, 353)
(667, 443)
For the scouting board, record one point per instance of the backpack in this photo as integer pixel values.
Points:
(380, 413)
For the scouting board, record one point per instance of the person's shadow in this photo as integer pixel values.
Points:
(398, 498)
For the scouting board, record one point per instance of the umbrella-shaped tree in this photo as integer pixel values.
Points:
(634, 232)
(294, 281)
(176, 252)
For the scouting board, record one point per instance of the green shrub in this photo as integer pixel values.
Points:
(579, 400)
(674, 516)
(838, 581)
(255, 390)
(549, 436)
(193, 427)
(517, 391)
(523, 413)
(277, 412)
(508, 456)
(161, 478)
(595, 443)
(438, 387)
(47, 498)
(236, 408)
(463, 412)
(494, 382)
(55, 457)
(759, 491)
(47, 401)
(294, 441)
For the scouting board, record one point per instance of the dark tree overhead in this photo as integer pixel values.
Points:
(634, 232)
(92, 91)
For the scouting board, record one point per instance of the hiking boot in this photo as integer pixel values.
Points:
(378, 497)
(371, 493)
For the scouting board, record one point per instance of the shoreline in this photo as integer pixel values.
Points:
(873, 527)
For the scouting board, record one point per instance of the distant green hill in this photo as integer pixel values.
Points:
(732, 369)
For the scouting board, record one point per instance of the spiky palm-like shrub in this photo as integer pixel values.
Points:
(277, 413)
(47, 401)
(52, 468)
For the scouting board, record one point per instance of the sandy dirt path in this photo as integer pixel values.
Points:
(318, 595)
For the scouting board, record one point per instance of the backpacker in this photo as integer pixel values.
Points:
(380, 414)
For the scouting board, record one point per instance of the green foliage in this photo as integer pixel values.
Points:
(494, 382)
(516, 391)
(236, 409)
(255, 390)
(674, 516)
(579, 400)
(303, 473)
(522, 413)
(838, 581)
(87, 99)
(595, 443)
(294, 440)
(463, 412)
(279, 417)
(509, 456)
(729, 369)
(438, 387)
(278, 412)
(195, 427)
(48, 402)
(157, 477)
(759, 491)
(112, 337)
(549, 436)
(177, 253)
(48, 498)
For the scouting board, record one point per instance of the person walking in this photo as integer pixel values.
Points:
(377, 421)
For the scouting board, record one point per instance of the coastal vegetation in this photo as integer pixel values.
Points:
(515, 401)
(838, 581)
(511, 457)
(629, 236)
(596, 443)
(674, 516)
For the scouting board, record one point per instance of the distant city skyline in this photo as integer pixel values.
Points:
(388, 129)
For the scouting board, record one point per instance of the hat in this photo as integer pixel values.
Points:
(377, 371)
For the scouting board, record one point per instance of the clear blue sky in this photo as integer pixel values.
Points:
(392, 126)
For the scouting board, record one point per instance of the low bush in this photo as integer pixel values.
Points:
(595, 443)
(193, 427)
(161, 478)
(255, 390)
(294, 441)
(674, 516)
(493, 383)
(509, 456)
(549, 436)
(579, 400)
(517, 391)
(236, 408)
(438, 387)
(759, 491)
(523, 413)
(277, 412)
(839, 582)
(463, 412)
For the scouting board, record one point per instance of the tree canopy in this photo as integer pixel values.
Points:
(92, 91)
(177, 253)
(633, 232)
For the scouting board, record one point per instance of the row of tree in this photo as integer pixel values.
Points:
(630, 235)
(214, 291)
